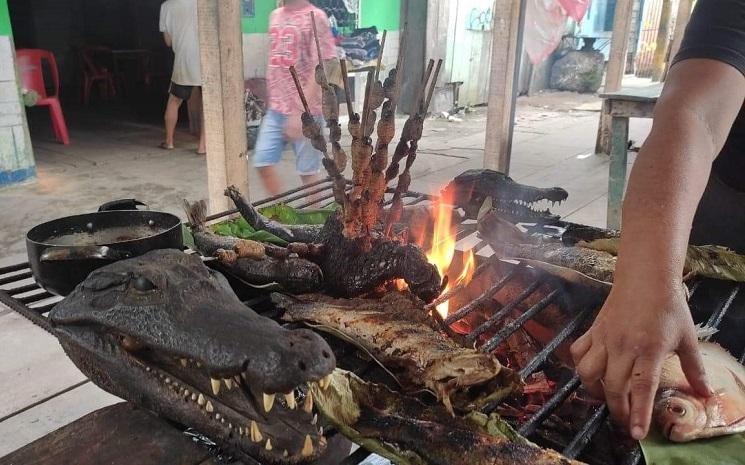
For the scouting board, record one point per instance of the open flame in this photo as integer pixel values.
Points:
(443, 249)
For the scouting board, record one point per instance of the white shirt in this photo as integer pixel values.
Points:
(179, 19)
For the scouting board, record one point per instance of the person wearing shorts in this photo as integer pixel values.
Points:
(179, 25)
(292, 43)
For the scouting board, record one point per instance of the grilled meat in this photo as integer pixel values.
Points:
(395, 331)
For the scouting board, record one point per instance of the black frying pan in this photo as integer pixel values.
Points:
(63, 252)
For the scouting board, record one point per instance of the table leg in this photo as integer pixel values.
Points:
(617, 170)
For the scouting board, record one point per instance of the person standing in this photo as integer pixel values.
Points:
(292, 43)
(179, 25)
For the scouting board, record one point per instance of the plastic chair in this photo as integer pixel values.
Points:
(94, 71)
(32, 78)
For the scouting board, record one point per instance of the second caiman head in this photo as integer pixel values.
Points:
(167, 333)
(514, 202)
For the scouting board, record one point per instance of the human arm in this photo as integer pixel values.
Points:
(163, 23)
(646, 317)
(167, 39)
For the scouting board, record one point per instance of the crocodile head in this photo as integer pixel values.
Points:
(165, 332)
(515, 202)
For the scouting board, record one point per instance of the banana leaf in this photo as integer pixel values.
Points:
(286, 214)
(710, 261)
(241, 229)
(724, 450)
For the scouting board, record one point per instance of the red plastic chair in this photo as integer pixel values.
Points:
(95, 71)
(32, 77)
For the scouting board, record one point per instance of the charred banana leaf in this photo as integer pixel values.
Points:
(395, 332)
(408, 432)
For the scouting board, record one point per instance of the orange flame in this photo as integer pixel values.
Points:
(443, 249)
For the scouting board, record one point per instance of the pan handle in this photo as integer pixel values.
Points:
(89, 252)
(121, 204)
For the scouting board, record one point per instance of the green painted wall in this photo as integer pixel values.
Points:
(260, 22)
(5, 29)
(383, 14)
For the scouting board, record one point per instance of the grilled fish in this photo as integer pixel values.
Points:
(408, 432)
(394, 330)
(684, 416)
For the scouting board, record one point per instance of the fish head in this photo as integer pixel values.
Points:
(684, 417)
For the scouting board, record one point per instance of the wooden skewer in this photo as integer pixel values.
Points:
(423, 86)
(366, 104)
(318, 43)
(432, 87)
(345, 78)
(399, 72)
(380, 56)
(299, 88)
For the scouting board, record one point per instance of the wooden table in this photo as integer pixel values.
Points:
(629, 102)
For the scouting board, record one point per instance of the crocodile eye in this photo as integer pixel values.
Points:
(144, 284)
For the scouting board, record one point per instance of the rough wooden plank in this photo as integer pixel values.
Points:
(221, 49)
(662, 42)
(616, 66)
(32, 424)
(639, 94)
(617, 170)
(631, 109)
(37, 369)
(500, 111)
(682, 16)
(115, 435)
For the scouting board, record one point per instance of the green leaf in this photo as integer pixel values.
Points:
(724, 450)
(241, 229)
(286, 214)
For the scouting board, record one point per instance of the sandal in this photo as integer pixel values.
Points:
(165, 146)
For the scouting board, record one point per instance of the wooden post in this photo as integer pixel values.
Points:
(506, 42)
(221, 50)
(681, 21)
(662, 42)
(616, 66)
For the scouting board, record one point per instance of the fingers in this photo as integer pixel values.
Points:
(590, 365)
(616, 387)
(580, 347)
(693, 366)
(645, 378)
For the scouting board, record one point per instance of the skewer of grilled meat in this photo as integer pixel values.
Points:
(404, 180)
(312, 130)
(329, 105)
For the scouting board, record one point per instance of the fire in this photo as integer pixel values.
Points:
(443, 250)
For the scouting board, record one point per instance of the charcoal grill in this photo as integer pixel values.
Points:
(716, 303)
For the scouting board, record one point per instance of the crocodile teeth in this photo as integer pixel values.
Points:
(240, 430)
(255, 432)
(325, 382)
(285, 453)
(186, 393)
(193, 396)
(290, 399)
(168, 380)
(307, 447)
(200, 400)
(215, 386)
(320, 430)
(308, 404)
(209, 407)
(228, 383)
(217, 416)
(268, 402)
(268, 445)
(199, 364)
(314, 420)
(322, 440)
(183, 362)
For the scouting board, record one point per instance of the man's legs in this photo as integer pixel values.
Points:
(171, 118)
(308, 161)
(268, 151)
(196, 100)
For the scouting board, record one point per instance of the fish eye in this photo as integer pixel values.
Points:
(677, 409)
(143, 284)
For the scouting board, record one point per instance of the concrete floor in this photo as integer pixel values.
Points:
(40, 389)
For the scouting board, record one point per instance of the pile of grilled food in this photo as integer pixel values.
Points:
(167, 332)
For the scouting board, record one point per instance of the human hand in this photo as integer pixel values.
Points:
(620, 357)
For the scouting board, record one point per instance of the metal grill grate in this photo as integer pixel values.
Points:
(718, 304)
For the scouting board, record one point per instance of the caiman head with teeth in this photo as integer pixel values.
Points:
(165, 332)
(514, 202)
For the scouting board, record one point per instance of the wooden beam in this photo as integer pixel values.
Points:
(616, 66)
(506, 38)
(682, 16)
(662, 42)
(221, 50)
